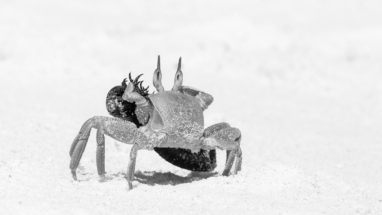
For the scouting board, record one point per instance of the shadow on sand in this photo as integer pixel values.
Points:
(151, 177)
(168, 178)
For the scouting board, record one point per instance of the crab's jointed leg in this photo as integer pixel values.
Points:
(214, 128)
(100, 154)
(131, 166)
(231, 155)
(224, 137)
(78, 146)
(118, 129)
(204, 99)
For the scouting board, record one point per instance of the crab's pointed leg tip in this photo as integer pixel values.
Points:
(102, 178)
(130, 186)
(74, 175)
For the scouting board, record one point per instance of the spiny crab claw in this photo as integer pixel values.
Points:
(131, 96)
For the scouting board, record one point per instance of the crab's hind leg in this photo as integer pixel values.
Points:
(213, 129)
(224, 137)
(231, 155)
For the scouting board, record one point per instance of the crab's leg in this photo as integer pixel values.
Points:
(204, 99)
(239, 159)
(80, 135)
(213, 129)
(225, 138)
(78, 146)
(131, 166)
(231, 155)
(100, 154)
(118, 129)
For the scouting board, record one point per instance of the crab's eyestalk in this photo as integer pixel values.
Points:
(157, 80)
(178, 80)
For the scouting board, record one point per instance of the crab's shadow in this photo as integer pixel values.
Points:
(168, 178)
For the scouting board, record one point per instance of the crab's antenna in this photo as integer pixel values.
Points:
(178, 80)
(157, 80)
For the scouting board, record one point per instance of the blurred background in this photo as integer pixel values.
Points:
(301, 79)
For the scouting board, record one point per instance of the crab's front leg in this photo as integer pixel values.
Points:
(131, 166)
(118, 129)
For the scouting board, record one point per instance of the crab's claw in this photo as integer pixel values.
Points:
(131, 96)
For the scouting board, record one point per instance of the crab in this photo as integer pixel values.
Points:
(168, 120)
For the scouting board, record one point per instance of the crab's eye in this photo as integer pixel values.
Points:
(157, 78)
(178, 77)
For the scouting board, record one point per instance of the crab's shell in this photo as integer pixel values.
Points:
(179, 116)
(171, 111)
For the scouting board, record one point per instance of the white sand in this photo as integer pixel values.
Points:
(301, 79)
